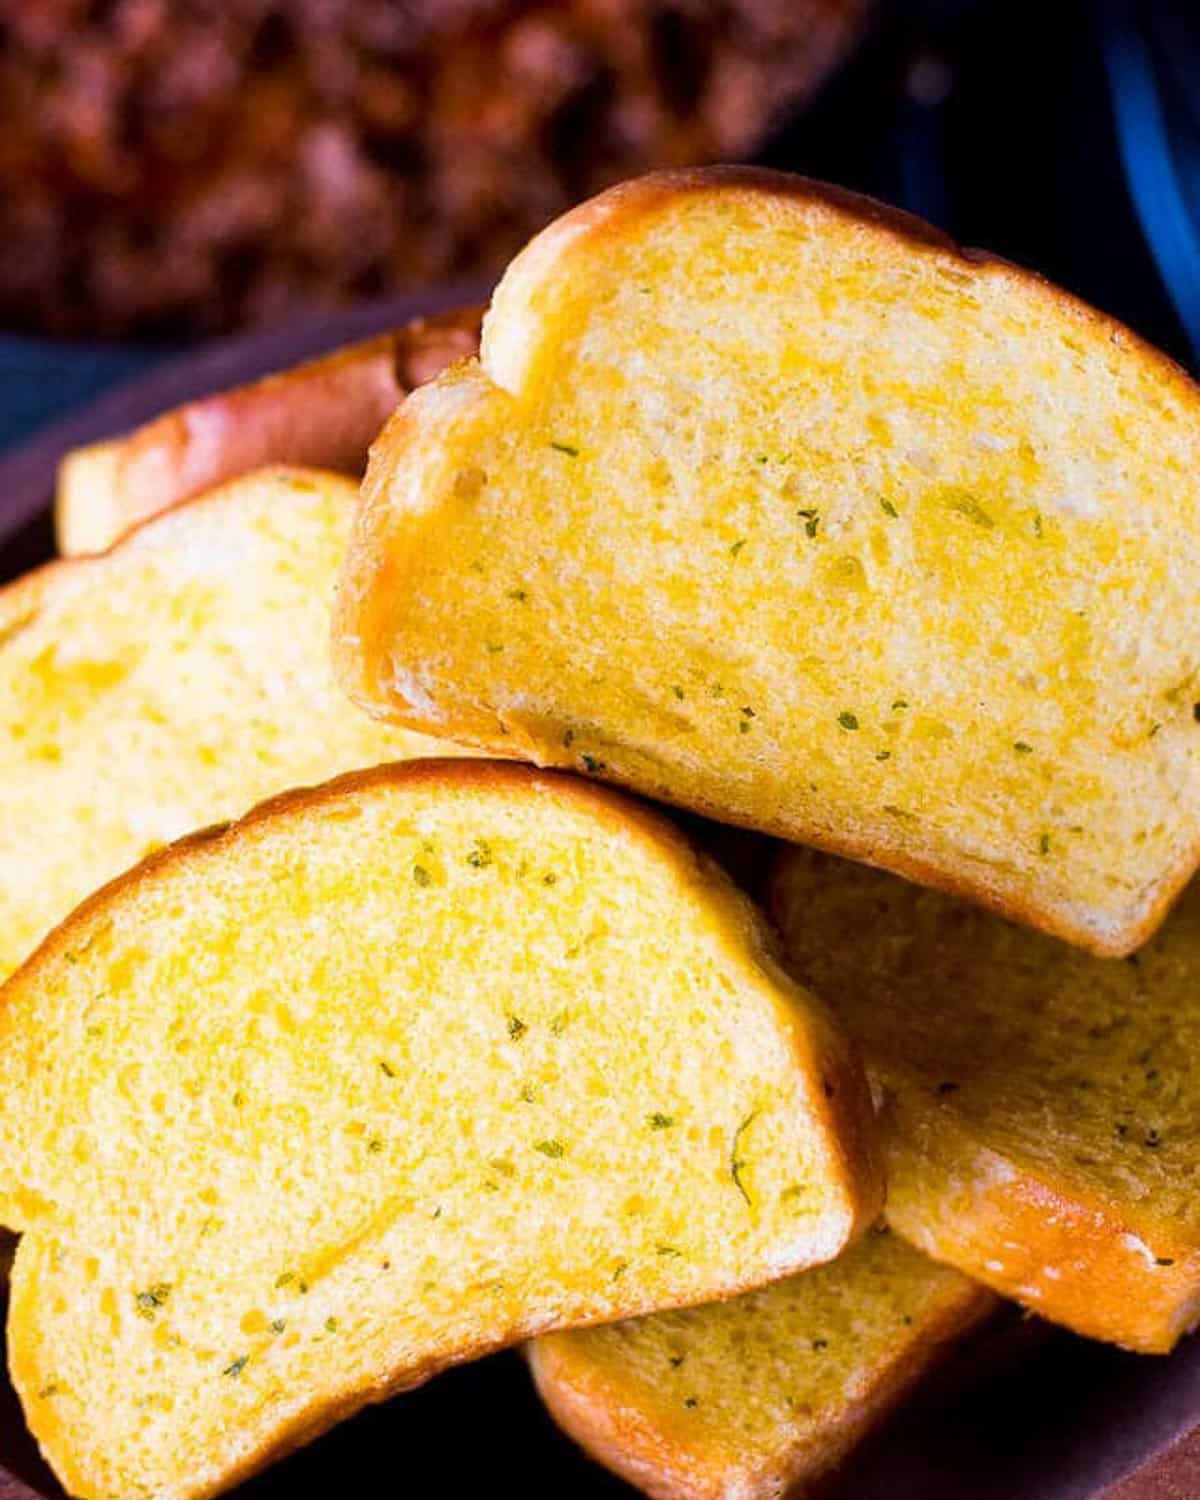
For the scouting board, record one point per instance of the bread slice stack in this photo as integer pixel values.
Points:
(1039, 1108)
(390, 1074)
(760, 500)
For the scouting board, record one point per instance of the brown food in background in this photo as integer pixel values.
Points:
(180, 167)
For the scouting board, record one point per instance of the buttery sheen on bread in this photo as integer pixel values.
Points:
(770, 502)
(174, 682)
(391, 1073)
(1040, 1107)
(758, 1397)
(325, 412)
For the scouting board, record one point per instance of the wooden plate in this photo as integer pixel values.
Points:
(1023, 1412)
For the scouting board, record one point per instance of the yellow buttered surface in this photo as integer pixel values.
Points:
(771, 504)
(172, 683)
(393, 1073)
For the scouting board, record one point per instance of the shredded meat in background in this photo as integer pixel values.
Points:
(177, 167)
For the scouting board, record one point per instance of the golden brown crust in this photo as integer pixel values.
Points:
(623, 205)
(1021, 1230)
(324, 413)
(645, 1445)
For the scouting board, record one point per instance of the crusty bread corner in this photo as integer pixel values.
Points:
(323, 413)
(451, 1167)
(761, 1397)
(923, 598)
(1038, 1105)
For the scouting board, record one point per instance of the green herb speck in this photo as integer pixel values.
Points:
(899, 703)
(811, 519)
(516, 1028)
(493, 648)
(278, 1325)
(149, 1301)
(1044, 843)
(659, 1121)
(1037, 523)
(1022, 748)
(568, 448)
(619, 1269)
(963, 503)
(590, 763)
(668, 1250)
(389, 1071)
(47, 1391)
(559, 1023)
(375, 1145)
(331, 1325)
(848, 720)
(692, 1401)
(238, 1099)
(421, 875)
(883, 755)
(236, 1368)
(553, 1149)
(518, 594)
(480, 856)
(678, 691)
(735, 1162)
(889, 509)
(737, 546)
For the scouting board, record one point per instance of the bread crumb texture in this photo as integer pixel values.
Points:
(171, 684)
(1040, 1107)
(387, 1076)
(756, 1397)
(770, 502)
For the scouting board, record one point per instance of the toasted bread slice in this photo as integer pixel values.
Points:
(1041, 1107)
(392, 1073)
(758, 1397)
(174, 682)
(770, 502)
(326, 412)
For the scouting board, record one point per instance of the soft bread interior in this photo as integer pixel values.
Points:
(393, 1073)
(1040, 1106)
(758, 1396)
(773, 504)
(171, 684)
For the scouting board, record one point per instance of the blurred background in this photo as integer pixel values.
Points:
(174, 171)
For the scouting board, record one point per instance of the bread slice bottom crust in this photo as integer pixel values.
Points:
(757, 1398)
